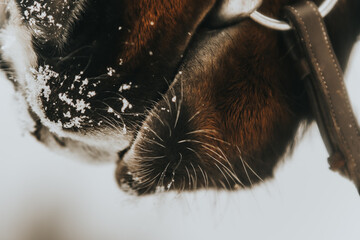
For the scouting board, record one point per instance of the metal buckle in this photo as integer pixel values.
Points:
(275, 24)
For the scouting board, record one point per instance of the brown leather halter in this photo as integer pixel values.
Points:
(326, 89)
(320, 70)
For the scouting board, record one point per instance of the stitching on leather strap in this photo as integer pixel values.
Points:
(307, 39)
(348, 151)
(339, 74)
(336, 120)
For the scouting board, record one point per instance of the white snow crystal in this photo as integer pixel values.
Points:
(74, 122)
(111, 71)
(81, 105)
(42, 75)
(125, 86)
(126, 105)
(91, 94)
(110, 110)
(67, 115)
(64, 97)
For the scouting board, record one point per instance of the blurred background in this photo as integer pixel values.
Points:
(44, 196)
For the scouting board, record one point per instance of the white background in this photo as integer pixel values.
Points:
(45, 196)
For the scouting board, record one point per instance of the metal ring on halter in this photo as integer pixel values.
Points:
(272, 23)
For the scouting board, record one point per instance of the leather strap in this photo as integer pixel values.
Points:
(325, 84)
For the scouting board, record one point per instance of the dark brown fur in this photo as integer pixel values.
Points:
(212, 105)
(239, 104)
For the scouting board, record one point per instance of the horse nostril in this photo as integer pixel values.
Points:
(122, 153)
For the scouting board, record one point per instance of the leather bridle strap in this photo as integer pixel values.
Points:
(325, 84)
